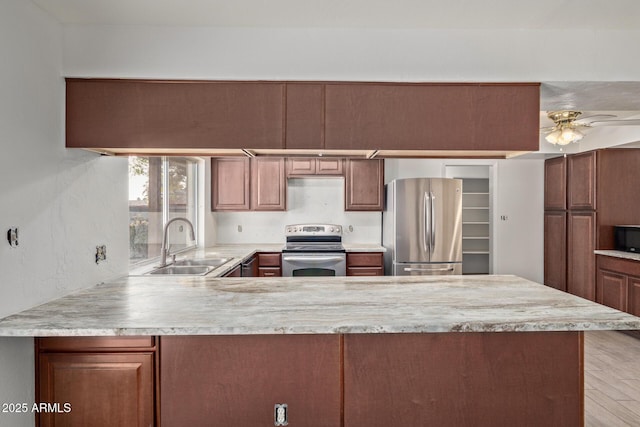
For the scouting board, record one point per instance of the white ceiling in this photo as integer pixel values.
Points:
(434, 14)
(621, 98)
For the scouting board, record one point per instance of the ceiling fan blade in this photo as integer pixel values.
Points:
(547, 129)
(599, 116)
(630, 122)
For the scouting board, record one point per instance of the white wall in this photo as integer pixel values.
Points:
(351, 54)
(518, 246)
(64, 202)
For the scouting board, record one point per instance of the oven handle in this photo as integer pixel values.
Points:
(312, 258)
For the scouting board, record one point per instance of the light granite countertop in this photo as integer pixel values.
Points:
(317, 305)
(618, 254)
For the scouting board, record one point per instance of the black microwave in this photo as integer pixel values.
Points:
(627, 238)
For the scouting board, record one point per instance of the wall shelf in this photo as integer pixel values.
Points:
(476, 228)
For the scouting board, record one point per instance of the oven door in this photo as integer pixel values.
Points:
(313, 264)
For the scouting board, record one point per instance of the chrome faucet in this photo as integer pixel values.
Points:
(164, 250)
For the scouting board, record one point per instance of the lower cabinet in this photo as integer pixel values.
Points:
(581, 242)
(365, 264)
(96, 382)
(618, 284)
(239, 380)
(269, 264)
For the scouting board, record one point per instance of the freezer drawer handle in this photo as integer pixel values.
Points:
(428, 269)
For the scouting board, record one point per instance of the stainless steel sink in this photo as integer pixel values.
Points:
(185, 270)
(210, 262)
(191, 267)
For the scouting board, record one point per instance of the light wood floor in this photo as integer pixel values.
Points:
(611, 379)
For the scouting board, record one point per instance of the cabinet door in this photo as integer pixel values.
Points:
(236, 272)
(612, 289)
(555, 183)
(432, 116)
(364, 185)
(305, 116)
(230, 184)
(555, 249)
(268, 185)
(581, 273)
(398, 116)
(237, 380)
(105, 389)
(302, 166)
(174, 114)
(633, 302)
(581, 181)
(329, 166)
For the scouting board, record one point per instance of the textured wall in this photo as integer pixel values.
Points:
(64, 202)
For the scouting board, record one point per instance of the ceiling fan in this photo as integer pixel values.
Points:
(569, 127)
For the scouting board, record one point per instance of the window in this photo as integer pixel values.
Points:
(150, 178)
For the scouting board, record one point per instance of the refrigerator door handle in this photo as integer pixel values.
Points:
(408, 269)
(427, 220)
(433, 221)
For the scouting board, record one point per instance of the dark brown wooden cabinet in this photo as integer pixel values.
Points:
(309, 166)
(555, 184)
(581, 182)
(241, 184)
(365, 264)
(305, 116)
(618, 284)
(581, 242)
(270, 264)
(364, 185)
(431, 116)
(601, 191)
(555, 249)
(443, 379)
(160, 114)
(237, 380)
(107, 381)
(133, 116)
(230, 184)
(268, 185)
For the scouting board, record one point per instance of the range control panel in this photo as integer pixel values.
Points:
(313, 230)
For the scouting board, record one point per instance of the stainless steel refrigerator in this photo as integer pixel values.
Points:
(422, 226)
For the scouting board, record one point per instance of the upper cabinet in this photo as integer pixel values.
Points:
(555, 183)
(581, 169)
(364, 185)
(305, 116)
(306, 166)
(128, 114)
(394, 116)
(241, 184)
(153, 116)
(268, 184)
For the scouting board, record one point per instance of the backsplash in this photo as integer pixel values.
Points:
(309, 200)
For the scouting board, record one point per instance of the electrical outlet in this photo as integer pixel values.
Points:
(101, 253)
(281, 414)
(12, 237)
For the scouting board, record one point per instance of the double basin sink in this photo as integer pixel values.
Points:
(190, 267)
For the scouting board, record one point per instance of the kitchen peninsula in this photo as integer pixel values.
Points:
(348, 351)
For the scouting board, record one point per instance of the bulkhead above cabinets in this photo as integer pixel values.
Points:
(260, 184)
(347, 119)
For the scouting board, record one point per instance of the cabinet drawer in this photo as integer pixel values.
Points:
(364, 271)
(269, 272)
(364, 259)
(72, 344)
(269, 259)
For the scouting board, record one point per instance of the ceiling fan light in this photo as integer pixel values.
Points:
(553, 137)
